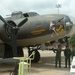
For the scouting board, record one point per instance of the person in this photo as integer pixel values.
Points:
(52, 27)
(58, 56)
(73, 51)
(67, 53)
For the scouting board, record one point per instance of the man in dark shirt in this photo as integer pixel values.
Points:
(67, 54)
(58, 56)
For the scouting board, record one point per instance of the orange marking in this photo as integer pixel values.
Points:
(37, 31)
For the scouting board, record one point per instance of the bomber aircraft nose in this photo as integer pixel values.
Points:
(62, 22)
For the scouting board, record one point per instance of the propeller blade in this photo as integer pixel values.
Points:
(2, 19)
(22, 22)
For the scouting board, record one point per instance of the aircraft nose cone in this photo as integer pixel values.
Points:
(69, 26)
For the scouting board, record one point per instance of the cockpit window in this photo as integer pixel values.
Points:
(67, 19)
(30, 14)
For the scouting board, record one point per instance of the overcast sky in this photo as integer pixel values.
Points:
(39, 6)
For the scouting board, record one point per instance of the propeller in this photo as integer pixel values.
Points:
(11, 26)
(12, 30)
(3, 20)
(22, 22)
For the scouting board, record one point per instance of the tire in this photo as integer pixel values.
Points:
(37, 56)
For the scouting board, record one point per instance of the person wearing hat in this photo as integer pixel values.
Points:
(67, 54)
(58, 56)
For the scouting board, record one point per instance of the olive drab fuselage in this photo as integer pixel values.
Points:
(38, 28)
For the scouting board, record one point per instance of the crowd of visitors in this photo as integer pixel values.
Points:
(69, 53)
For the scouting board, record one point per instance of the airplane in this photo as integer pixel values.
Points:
(30, 29)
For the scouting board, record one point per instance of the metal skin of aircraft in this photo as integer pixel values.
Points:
(31, 29)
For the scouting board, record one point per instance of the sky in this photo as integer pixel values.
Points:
(40, 6)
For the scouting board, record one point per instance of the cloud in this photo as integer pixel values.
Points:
(39, 6)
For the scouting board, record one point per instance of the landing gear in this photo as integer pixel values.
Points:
(36, 56)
